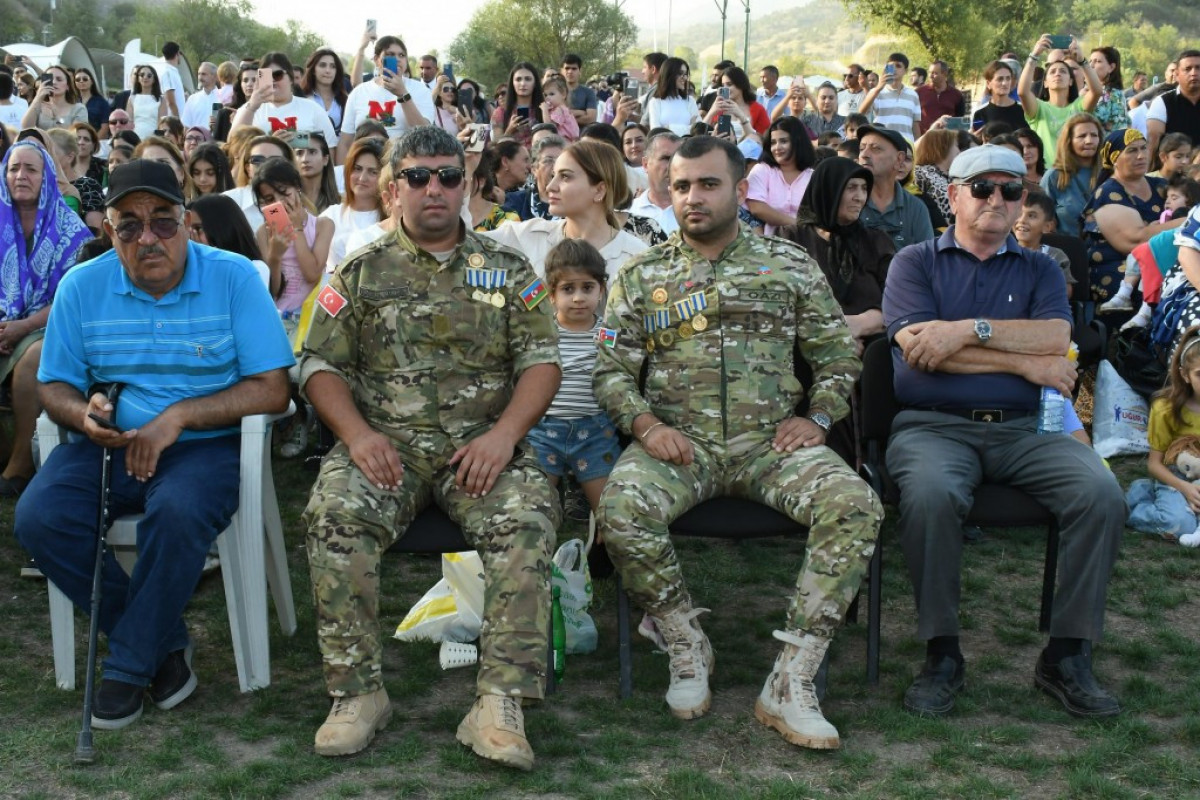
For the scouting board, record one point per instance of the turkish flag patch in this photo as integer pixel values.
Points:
(331, 300)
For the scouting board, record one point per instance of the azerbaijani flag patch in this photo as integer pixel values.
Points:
(331, 300)
(533, 294)
(606, 337)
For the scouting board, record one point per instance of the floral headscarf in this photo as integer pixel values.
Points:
(1115, 144)
(28, 279)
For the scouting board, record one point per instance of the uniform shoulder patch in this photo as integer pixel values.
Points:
(331, 300)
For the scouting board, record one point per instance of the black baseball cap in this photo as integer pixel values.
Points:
(898, 141)
(143, 175)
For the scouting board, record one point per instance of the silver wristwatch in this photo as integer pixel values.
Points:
(823, 420)
(983, 330)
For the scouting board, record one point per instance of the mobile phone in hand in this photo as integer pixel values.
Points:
(276, 218)
(391, 64)
(372, 27)
(724, 125)
(466, 100)
(105, 423)
(523, 113)
(723, 92)
(1060, 41)
(480, 133)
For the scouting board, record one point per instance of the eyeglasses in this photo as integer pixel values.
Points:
(257, 160)
(161, 227)
(118, 120)
(79, 78)
(1011, 191)
(418, 177)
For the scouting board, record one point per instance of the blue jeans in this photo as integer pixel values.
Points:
(187, 504)
(1158, 509)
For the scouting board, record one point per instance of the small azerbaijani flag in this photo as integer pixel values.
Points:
(533, 294)
(764, 270)
(606, 337)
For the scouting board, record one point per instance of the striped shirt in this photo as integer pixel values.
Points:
(216, 327)
(897, 111)
(577, 351)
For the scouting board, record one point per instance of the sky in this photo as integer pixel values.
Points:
(434, 27)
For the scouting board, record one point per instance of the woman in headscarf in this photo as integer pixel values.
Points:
(853, 257)
(1124, 209)
(39, 238)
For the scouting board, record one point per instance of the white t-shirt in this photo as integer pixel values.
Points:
(169, 79)
(12, 113)
(371, 100)
(848, 101)
(299, 114)
(198, 108)
(675, 113)
(536, 237)
(244, 197)
(665, 217)
(345, 223)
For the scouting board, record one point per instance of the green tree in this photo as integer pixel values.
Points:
(503, 32)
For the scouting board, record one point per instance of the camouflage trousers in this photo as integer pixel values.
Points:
(351, 523)
(811, 485)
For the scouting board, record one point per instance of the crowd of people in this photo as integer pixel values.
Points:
(484, 294)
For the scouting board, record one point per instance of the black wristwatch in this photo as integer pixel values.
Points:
(822, 420)
(404, 98)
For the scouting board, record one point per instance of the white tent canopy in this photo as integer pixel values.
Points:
(70, 52)
(134, 56)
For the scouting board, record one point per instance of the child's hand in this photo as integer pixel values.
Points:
(1191, 493)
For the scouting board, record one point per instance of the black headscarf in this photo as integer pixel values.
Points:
(820, 208)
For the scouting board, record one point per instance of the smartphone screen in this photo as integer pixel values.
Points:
(957, 124)
(217, 108)
(276, 218)
(391, 64)
(371, 28)
(632, 87)
(466, 97)
(523, 112)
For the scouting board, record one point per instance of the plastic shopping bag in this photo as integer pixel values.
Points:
(570, 574)
(1120, 416)
(451, 611)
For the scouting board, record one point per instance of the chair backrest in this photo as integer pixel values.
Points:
(879, 404)
(1076, 250)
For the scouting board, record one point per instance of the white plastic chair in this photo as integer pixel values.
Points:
(250, 560)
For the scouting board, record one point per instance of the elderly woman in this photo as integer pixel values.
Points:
(854, 258)
(589, 181)
(1124, 209)
(39, 237)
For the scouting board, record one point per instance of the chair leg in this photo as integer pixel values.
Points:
(1050, 576)
(874, 611)
(551, 678)
(278, 577)
(624, 648)
(62, 634)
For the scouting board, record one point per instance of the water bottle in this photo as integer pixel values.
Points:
(560, 635)
(1053, 404)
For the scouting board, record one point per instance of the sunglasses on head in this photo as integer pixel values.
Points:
(984, 189)
(161, 227)
(418, 177)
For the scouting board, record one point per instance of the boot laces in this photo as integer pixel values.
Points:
(684, 641)
(510, 713)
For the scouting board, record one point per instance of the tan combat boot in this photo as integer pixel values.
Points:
(352, 723)
(692, 660)
(788, 702)
(495, 728)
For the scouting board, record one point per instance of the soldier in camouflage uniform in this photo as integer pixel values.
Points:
(430, 357)
(716, 312)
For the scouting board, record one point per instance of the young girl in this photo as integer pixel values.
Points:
(1165, 504)
(575, 436)
(556, 110)
(296, 256)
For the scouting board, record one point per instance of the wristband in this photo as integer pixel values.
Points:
(646, 432)
(1034, 58)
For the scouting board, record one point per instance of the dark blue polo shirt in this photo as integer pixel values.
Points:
(938, 280)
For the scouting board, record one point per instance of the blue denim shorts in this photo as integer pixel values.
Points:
(584, 446)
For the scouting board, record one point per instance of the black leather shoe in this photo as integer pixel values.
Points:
(932, 693)
(116, 704)
(174, 682)
(1072, 683)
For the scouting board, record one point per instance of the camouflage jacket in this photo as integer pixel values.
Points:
(431, 351)
(720, 339)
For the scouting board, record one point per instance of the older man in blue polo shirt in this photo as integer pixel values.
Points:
(979, 325)
(192, 334)
(890, 208)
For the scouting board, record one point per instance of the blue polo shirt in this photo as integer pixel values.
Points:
(906, 220)
(216, 327)
(938, 280)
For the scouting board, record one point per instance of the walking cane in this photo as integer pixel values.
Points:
(85, 753)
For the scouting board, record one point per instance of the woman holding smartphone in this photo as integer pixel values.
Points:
(55, 104)
(275, 109)
(522, 107)
(1047, 117)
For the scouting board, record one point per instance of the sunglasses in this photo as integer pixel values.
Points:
(258, 160)
(161, 227)
(448, 89)
(118, 121)
(1011, 191)
(277, 74)
(418, 177)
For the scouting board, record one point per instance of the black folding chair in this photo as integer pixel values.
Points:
(995, 505)
(1089, 332)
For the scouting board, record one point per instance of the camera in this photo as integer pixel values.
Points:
(616, 80)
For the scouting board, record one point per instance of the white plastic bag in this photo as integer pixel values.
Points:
(570, 574)
(451, 611)
(1120, 416)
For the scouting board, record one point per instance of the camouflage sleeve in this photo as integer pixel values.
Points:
(532, 337)
(332, 341)
(826, 343)
(615, 377)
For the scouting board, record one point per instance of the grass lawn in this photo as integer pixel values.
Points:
(1005, 739)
